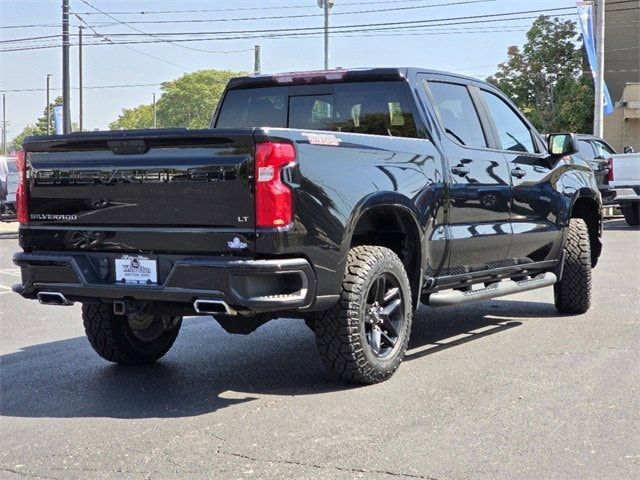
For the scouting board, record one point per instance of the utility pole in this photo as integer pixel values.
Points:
(48, 104)
(598, 115)
(66, 84)
(4, 124)
(256, 60)
(326, 6)
(80, 109)
(155, 117)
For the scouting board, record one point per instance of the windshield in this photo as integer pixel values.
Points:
(379, 108)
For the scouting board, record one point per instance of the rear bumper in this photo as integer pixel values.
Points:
(249, 286)
(626, 194)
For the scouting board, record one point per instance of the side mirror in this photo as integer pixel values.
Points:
(628, 149)
(562, 144)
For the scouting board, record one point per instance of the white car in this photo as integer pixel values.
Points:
(624, 180)
(9, 186)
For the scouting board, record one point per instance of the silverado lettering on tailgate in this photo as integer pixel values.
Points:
(89, 177)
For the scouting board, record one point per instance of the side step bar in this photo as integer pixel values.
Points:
(498, 289)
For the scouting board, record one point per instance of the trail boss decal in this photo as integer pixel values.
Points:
(322, 139)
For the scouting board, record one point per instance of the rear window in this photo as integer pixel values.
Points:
(379, 108)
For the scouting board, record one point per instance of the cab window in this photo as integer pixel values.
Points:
(602, 149)
(457, 113)
(378, 108)
(513, 134)
(586, 150)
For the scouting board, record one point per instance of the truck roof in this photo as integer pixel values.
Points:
(338, 75)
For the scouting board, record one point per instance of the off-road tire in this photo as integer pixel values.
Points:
(340, 331)
(632, 214)
(112, 338)
(573, 291)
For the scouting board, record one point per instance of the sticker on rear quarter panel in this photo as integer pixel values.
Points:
(322, 139)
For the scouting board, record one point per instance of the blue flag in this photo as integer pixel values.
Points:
(57, 119)
(585, 18)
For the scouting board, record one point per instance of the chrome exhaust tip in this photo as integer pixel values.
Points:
(53, 298)
(212, 307)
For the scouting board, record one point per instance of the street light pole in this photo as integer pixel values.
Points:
(66, 84)
(326, 6)
(598, 127)
(155, 118)
(4, 124)
(256, 60)
(48, 104)
(80, 106)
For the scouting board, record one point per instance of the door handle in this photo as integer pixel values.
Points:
(459, 170)
(518, 172)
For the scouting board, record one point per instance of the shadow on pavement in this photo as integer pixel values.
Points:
(208, 370)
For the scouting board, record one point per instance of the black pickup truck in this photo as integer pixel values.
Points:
(344, 198)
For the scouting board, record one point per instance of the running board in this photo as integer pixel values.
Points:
(498, 289)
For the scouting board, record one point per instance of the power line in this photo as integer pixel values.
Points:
(276, 35)
(95, 87)
(168, 62)
(279, 17)
(352, 26)
(273, 7)
(307, 15)
(307, 31)
(135, 29)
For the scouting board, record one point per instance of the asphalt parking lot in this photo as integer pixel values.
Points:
(502, 389)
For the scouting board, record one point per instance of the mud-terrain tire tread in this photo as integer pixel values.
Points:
(573, 291)
(337, 329)
(104, 332)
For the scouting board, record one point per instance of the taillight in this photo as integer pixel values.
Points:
(21, 193)
(610, 170)
(274, 202)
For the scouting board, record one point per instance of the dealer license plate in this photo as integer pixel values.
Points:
(137, 270)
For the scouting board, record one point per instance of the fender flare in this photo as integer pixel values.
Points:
(400, 203)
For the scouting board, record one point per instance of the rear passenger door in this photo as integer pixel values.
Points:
(536, 201)
(478, 180)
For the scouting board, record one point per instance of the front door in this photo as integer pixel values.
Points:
(536, 201)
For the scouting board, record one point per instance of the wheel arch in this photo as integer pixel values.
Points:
(390, 220)
(589, 209)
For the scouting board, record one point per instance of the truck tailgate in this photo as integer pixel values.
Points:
(626, 170)
(137, 185)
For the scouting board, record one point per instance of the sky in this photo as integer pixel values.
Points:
(133, 72)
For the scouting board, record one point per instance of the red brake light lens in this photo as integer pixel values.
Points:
(610, 170)
(274, 200)
(309, 77)
(21, 193)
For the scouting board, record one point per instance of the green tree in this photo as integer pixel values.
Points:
(547, 78)
(39, 128)
(187, 102)
(190, 100)
(131, 118)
